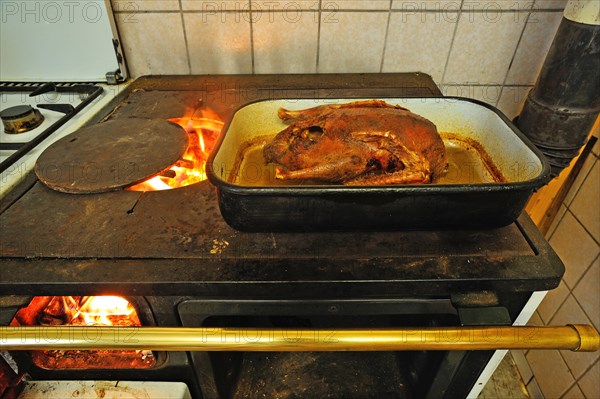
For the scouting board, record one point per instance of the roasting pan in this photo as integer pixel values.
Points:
(487, 187)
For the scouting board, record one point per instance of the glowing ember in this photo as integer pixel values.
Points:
(203, 128)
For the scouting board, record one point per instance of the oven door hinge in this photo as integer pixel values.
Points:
(114, 77)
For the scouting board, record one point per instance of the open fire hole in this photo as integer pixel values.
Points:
(83, 311)
(203, 127)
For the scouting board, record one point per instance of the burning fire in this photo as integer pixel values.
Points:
(83, 311)
(99, 310)
(203, 128)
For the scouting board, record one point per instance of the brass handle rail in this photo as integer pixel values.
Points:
(572, 337)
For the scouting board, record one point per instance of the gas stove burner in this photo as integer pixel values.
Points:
(20, 119)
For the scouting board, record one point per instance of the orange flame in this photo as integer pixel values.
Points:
(203, 128)
(97, 310)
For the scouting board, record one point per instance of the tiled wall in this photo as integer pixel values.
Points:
(575, 237)
(489, 50)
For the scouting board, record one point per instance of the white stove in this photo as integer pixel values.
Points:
(14, 100)
(74, 43)
(19, 151)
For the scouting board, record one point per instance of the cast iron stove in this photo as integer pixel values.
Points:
(174, 244)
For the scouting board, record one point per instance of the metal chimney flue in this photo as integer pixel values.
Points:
(565, 101)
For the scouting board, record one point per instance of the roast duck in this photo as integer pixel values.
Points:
(359, 143)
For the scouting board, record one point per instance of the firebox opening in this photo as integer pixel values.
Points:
(203, 127)
(84, 311)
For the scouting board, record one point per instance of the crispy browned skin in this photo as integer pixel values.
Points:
(360, 143)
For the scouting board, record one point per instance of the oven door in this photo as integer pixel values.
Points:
(318, 374)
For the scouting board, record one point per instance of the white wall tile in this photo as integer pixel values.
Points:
(587, 166)
(571, 313)
(551, 372)
(287, 5)
(577, 254)
(556, 221)
(212, 6)
(153, 43)
(512, 100)
(419, 42)
(535, 320)
(586, 203)
(219, 44)
(590, 382)
(352, 42)
(535, 43)
(574, 393)
(495, 5)
(133, 6)
(487, 94)
(483, 48)
(586, 293)
(286, 44)
(420, 5)
(550, 4)
(552, 301)
(355, 4)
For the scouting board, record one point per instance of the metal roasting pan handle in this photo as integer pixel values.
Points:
(574, 337)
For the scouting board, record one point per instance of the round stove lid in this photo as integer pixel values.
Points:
(111, 155)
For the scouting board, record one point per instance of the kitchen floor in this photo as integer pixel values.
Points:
(506, 382)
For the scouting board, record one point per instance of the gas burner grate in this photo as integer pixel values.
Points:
(87, 91)
(30, 85)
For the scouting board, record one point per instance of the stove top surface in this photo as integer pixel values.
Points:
(175, 242)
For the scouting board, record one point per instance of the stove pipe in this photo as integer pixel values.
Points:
(563, 105)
